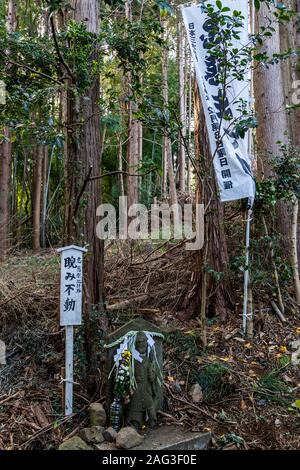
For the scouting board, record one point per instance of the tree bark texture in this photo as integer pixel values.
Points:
(6, 156)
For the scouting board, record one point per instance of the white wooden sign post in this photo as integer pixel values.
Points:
(70, 309)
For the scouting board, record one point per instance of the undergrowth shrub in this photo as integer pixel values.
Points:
(271, 385)
(184, 343)
(216, 381)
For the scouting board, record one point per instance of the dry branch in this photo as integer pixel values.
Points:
(126, 303)
(278, 312)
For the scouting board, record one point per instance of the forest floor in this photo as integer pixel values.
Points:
(251, 389)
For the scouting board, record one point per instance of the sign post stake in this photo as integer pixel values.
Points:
(70, 310)
(69, 370)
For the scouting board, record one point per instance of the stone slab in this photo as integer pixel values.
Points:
(168, 438)
(175, 438)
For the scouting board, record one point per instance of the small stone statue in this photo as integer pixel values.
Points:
(146, 392)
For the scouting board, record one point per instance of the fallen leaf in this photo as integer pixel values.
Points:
(226, 359)
(296, 404)
(243, 405)
(252, 373)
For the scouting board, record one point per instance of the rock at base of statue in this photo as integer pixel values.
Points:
(147, 398)
(74, 443)
(127, 438)
(196, 393)
(92, 435)
(110, 434)
(97, 414)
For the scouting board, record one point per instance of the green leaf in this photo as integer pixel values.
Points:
(219, 4)
(257, 4)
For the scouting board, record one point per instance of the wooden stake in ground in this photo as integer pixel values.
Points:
(276, 275)
(295, 264)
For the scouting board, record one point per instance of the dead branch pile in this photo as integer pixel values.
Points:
(147, 275)
(28, 289)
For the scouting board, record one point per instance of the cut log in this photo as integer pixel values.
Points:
(126, 303)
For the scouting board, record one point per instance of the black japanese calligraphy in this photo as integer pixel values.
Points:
(69, 288)
(69, 305)
(226, 174)
(70, 262)
(228, 185)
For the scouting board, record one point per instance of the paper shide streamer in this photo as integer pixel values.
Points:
(128, 343)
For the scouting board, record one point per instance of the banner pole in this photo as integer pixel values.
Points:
(248, 316)
(246, 270)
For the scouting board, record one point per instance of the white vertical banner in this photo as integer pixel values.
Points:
(232, 162)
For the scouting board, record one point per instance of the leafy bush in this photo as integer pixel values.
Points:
(184, 343)
(271, 386)
(214, 380)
